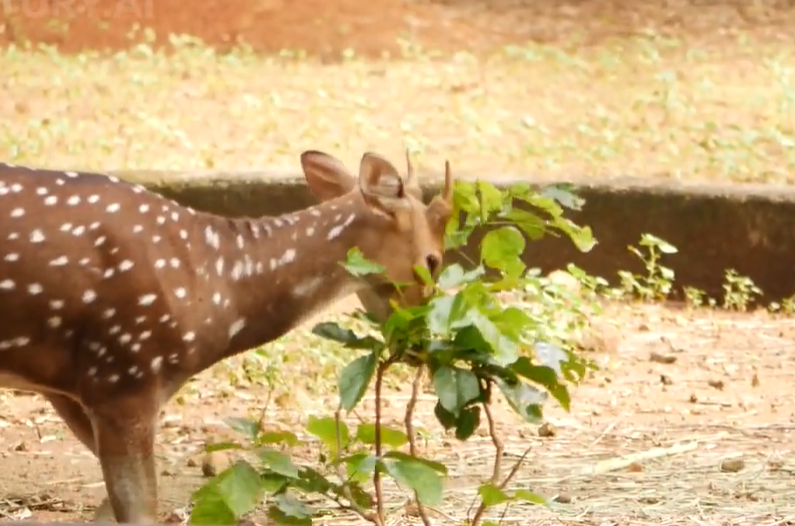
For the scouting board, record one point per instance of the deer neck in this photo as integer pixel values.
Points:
(278, 271)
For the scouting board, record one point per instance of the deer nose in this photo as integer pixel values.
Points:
(433, 261)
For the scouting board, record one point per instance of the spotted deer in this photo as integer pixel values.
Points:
(113, 296)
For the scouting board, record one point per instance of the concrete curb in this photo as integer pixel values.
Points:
(749, 228)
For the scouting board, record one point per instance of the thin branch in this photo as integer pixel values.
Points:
(499, 450)
(346, 490)
(409, 424)
(379, 493)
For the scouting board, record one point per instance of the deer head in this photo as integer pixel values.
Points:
(397, 230)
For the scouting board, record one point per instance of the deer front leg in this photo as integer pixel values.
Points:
(72, 413)
(125, 436)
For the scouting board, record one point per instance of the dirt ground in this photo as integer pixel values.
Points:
(327, 28)
(722, 409)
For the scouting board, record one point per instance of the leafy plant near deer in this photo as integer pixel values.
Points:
(471, 344)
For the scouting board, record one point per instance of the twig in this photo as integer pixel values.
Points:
(379, 492)
(613, 464)
(346, 490)
(499, 450)
(409, 424)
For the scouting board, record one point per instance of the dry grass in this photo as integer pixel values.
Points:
(641, 106)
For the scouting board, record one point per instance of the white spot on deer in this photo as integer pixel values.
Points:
(42, 190)
(89, 296)
(236, 327)
(56, 304)
(174, 216)
(36, 236)
(137, 229)
(157, 363)
(92, 371)
(93, 199)
(212, 238)
(116, 329)
(160, 263)
(156, 239)
(237, 270)
(140, 319)
(113, 208)
(180, 292)
(73, 201)
(35, 288)
(7, 284)
(174, 262)
(135, 347)
(54, 322)
(219, 266)
(164, 318)
(315, 212)
(308, 287)
(145, 335)
(16, 188)
(78, 231)
(189, 337)
(108, 313)
(277, 222)
(113, 378)
(85, 261)
(11, 257)
(70, 174)
(66, 227)
(241, 242)
(310, 231)
(108, 273)
(133, 370)
(143, 209)
(161, 220)
(18, 212)
(100, 240)
(217, 298)
(147, 299)
(126, 265)
(125, 338)
(19, 341)
(13, 235)
(337, 230)
(94, 225)
(183, 234)
(59, 262)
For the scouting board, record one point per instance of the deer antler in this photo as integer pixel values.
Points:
(447, 194)
(411, 177)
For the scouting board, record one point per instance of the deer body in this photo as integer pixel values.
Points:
(113, 296)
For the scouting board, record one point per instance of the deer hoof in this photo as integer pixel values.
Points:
(104, 512)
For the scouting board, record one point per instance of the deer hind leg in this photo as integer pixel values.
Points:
(79, 424)
(125, 436)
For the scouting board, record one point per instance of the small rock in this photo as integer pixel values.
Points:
(212, 464)
(693, 398)
(666, 380)
(22, 446)
(732, 465)
(635, 467)
(716, 384)
(755, 381)
(191, 463)
(662, 358)
(562, 497)
(547, 430)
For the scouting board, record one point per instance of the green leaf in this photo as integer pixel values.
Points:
(551, 356)
(228, 496)
(278, 437)
(501, 249)
(455, 387)
(358, 265)
(424, 274)
(431, 464)
(248, 427)
(563, 195)
(529, 496)
(335, 332)
(504, 348)
(490, 199)
(355, 379)
(293, 507)
(445, 312)
(419, 477)
(468, 421)
(277, 462)
(445, 417)
(311, 481)
(524, 399)
(325, 429)
(540, 374)
(390, 437)
(359, 463)
(492, 495)
(279, 517)
(454, 275)
(530, 223)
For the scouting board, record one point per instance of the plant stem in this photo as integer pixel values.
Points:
(409, 424)
(379, 493)
(376, 519)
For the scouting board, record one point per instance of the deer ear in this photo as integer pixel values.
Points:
(327, 176)
(380, 183)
